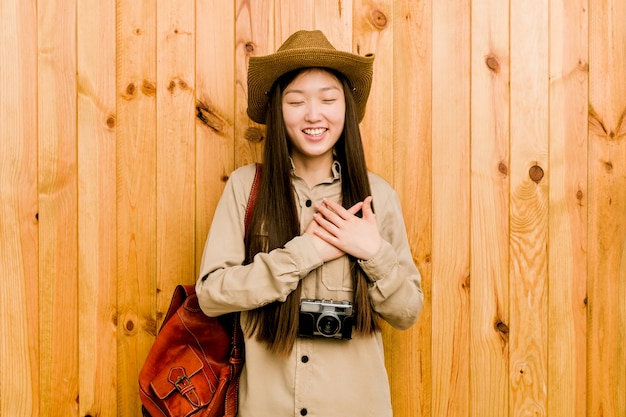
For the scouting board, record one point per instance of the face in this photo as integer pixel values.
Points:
(314, 110)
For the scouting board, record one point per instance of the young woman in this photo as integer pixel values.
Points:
(326, 254)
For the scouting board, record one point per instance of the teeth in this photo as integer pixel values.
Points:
(314, 132)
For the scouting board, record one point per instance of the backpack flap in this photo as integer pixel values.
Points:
(184, 378)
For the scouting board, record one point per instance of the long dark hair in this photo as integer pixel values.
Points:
(275, 218)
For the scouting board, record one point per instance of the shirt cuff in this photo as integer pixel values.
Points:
(377, 267)
(304, 254)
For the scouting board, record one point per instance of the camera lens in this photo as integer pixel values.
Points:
(328, 324)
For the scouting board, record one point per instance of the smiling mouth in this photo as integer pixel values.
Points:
(315, 132)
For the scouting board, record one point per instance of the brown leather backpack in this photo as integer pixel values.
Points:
(194, 364)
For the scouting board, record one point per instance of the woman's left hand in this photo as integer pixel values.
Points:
(357, 236)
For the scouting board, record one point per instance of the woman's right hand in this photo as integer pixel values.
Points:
(327, 251)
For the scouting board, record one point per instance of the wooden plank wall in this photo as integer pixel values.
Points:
(501, 125)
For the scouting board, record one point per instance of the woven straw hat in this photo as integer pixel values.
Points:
(306, 49)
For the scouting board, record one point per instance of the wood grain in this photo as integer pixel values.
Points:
(96, 152)
(136, 225)
(215, 110)
(175, 149)
(293, 16)
(373, 33)
(567, 274)
(529, 204)
(408, 352)
(606, 282)
(254, 35)
(336, 19)
(450, 208)
(490, 162)
(19, 307)
(57, 191)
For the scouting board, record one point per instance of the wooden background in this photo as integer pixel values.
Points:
(500, 123)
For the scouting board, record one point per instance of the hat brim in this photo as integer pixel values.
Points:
(263, 71)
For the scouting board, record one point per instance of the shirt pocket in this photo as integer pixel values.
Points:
(336, 275)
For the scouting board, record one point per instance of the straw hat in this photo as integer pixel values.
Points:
(306, 49)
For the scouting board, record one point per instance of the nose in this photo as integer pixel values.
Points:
(313, 113)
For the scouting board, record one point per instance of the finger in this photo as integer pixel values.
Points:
(328, 232)
(341, 212)
(325, 224)
(325, 236)
(337, 208)
(329, 215)
(355, 208)
(367, 208)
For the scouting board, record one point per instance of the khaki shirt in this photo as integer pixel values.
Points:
(322, 377)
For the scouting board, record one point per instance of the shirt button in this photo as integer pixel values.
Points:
(303, 412)
(308, 203)
(305, 359)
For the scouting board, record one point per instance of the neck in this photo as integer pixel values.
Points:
(313, 170)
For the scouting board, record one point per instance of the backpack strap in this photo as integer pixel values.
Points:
(237, 336)
(254, 191)
(236, 354)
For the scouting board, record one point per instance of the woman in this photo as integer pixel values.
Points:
(326, 254)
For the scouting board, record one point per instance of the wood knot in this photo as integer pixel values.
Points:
(536, 173)
(254, 135)
(503, 331)
(177, 82)
(501, 327)
(378, 18)
(151, 326)
(209, 117)
(503, 169)
(129, 92)
(148, 88)
(249, 47)
(465, 284)
(110, 121)
(493, 64)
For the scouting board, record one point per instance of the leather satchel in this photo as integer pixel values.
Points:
(194, 365)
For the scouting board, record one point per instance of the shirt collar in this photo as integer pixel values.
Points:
(336, 169)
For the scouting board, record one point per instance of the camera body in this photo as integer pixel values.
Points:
(325, 318)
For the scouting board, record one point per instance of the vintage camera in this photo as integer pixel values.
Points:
(325, 318)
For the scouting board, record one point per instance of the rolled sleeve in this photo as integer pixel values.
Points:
(395, 290)
(225, 285)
